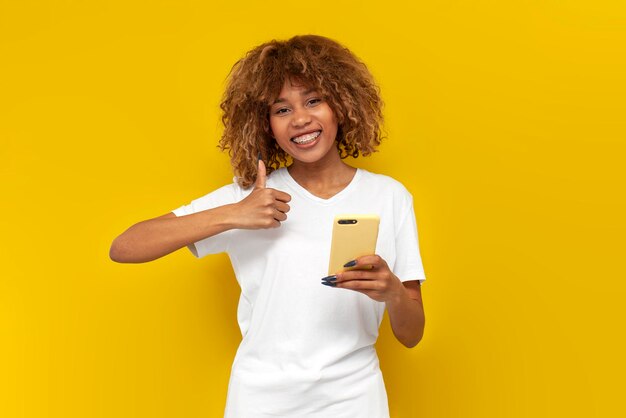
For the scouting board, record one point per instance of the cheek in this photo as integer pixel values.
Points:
(332, 124)
(329, 116)
(276, 127)
(277, 131)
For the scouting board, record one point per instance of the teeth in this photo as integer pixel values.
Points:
(305, 139)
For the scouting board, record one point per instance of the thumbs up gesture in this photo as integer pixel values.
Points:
(263, 207)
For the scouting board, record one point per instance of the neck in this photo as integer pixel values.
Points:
(322, 178)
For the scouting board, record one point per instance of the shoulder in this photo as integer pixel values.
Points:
(231, 189)
(384, 184)
(228, 193)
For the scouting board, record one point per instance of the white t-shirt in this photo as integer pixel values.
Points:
(308, 349)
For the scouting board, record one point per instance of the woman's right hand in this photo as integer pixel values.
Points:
(262, 208)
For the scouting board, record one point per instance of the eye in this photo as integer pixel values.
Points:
(281, 111)
(314, 101)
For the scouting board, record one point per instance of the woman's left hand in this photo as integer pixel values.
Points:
(377, 282)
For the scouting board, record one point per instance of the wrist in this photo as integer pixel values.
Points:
(398, 296)
(224, 217)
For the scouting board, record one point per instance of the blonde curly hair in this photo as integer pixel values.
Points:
(316, 62)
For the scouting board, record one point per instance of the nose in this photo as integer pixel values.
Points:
(300, 117)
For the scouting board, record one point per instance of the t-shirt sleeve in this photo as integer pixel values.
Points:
(408, 264)
(220, 197)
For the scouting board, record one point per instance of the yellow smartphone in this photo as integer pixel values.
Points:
(353, 236)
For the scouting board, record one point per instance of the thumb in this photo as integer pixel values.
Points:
(261, 176)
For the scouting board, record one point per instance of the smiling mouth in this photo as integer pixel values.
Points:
(306, 138)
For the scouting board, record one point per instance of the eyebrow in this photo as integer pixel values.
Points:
(304, 93)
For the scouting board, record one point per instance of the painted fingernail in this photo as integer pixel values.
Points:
(332, 284)
(350, 263)
(259, 157)
(330, 278)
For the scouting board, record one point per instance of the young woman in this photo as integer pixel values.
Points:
(293, 110)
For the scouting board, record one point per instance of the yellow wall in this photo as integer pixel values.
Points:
(506, 120)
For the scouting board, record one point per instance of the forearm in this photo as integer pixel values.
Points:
(154, 238)
(407, 318)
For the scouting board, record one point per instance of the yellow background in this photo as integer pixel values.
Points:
(505, 119)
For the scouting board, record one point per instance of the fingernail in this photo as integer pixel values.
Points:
(330, 278)
(350, 263)
(332, 284)
(259, 157)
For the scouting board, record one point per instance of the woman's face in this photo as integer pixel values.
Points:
(303, 124)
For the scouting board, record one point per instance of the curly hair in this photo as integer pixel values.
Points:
(316, 62)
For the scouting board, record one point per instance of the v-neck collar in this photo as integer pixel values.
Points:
(294, 185)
